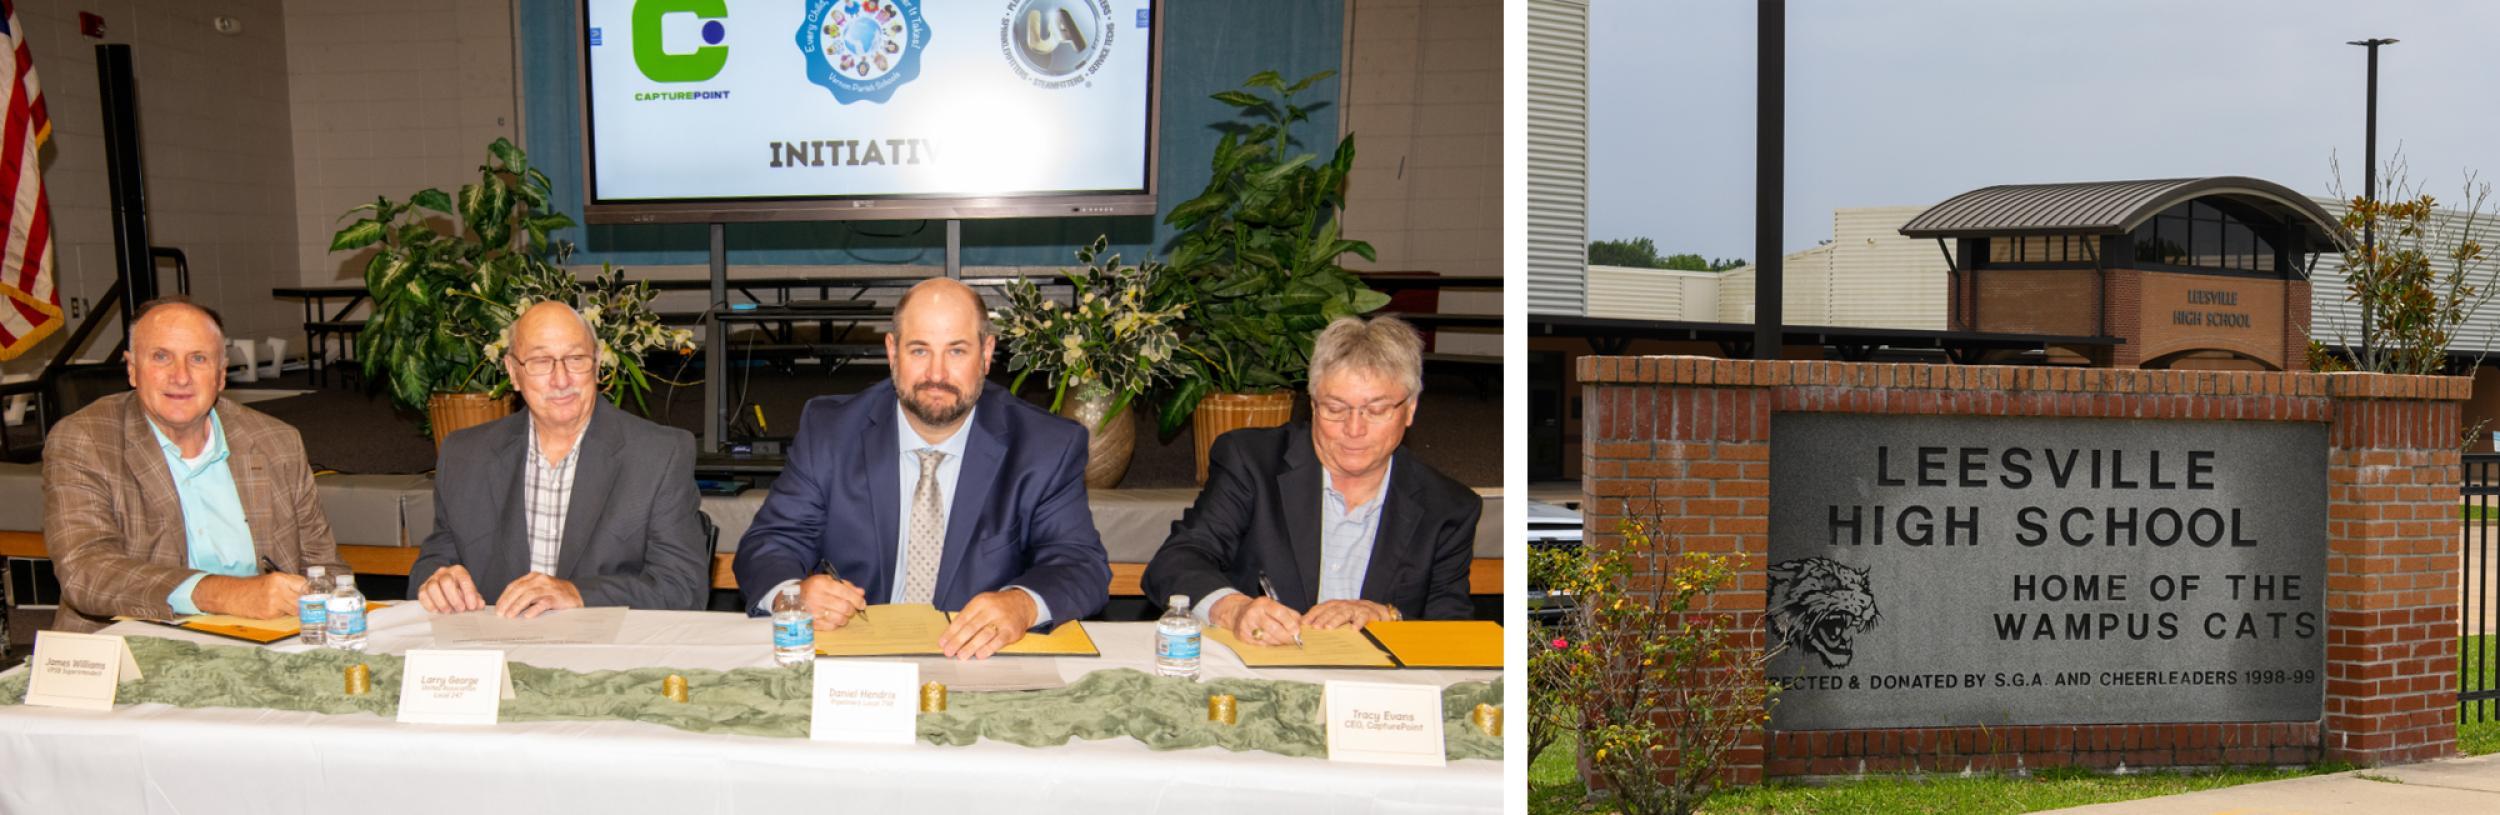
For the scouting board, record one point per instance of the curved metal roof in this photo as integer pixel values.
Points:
(2107, 208)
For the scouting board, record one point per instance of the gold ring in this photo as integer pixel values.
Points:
(1258, 633)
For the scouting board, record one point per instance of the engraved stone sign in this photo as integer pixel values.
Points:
(1930, 571)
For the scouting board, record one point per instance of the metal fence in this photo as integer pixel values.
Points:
(2478, 683)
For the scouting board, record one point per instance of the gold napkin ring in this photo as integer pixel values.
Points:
(359, 679)
(932, 698)
(1223, 707)
(1487, 718)
(674, 687)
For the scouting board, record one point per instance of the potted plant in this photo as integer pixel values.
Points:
(1259, 249)
(1116, 337)
(448, 275)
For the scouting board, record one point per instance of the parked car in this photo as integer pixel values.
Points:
(1550, 527)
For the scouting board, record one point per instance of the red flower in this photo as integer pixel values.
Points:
(1561, 643)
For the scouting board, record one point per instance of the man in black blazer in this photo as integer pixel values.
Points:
(570, 503)
(1346, 527)
(930, 488)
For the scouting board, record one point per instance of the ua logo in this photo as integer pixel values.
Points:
(651, 56)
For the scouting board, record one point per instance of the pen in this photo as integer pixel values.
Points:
(1269, 589)
(268, 565)
(825, 567)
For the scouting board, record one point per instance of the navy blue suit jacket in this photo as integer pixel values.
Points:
(1019, 516)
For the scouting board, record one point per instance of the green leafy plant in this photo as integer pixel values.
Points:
(1120, 333)
(1260, 249)
(449, 273)
(1665, 686)
(2422, 280)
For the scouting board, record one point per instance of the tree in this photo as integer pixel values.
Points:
(2414, 294)
(1695, 263)
(1638, 253)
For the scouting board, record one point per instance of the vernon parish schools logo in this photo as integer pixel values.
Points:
(862, 50)
(1820, 606)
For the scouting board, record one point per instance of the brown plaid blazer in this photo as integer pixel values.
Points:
(113, 522)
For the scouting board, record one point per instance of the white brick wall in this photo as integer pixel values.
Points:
(1423, 98)
(389, 97)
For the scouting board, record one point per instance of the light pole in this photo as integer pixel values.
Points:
(2369, 192)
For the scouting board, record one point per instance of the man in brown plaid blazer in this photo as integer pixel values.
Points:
(113, 517)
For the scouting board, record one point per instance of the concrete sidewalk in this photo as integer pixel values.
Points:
(2457, 785)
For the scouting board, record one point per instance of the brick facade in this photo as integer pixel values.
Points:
(1687, 439)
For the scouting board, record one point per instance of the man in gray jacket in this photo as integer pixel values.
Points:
(570, 503)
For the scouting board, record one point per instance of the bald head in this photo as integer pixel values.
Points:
(548, 315)
(177, 363)
(947, 294)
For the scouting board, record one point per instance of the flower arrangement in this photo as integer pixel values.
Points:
(1117, 338)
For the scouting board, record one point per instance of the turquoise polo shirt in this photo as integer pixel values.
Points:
(212, 513)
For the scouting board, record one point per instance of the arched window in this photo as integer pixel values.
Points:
(2198, 235)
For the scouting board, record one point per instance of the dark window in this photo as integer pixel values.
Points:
(2201, 236)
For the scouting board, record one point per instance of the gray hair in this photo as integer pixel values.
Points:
(513, 328)
(1384, 347)
(980, 305)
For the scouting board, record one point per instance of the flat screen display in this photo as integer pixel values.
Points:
(711, 110)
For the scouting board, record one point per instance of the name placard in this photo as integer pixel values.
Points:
(453, 687)
(80, 671)
(867, 702)
(1932, 571)
(1384, 723)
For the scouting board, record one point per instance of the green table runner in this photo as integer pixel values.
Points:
(1165, 713)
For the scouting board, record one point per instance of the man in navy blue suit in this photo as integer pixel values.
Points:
(927, 489)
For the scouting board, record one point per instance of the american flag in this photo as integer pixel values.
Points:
(32, 309)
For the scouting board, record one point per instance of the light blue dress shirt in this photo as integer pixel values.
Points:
(1345, 544)
(212, 513)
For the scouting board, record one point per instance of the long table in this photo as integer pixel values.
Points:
(159, 758)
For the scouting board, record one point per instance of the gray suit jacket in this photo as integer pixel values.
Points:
(630, 535)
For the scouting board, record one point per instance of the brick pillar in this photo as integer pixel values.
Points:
(2392, 568)
(2124, 298)
(2296, 325)
(1697, 461)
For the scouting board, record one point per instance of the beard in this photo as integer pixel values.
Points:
(917, 401)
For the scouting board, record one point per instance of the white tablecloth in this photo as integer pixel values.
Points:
(161, 759)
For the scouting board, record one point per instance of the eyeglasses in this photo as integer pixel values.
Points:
(542, 366)
(1374, 413)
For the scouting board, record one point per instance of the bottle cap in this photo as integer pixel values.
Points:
(345, 581)
(1179, 601)
(315, 572)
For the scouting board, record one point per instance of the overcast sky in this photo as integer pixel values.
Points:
(1913, 101)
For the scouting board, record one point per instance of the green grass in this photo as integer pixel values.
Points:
(1554, 789)
(2476, 738)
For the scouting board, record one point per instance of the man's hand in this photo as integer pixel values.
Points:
(535, 594)
(1342, 613)
(268, 596)
(1256, 620)
(993, 620)
(830, 601)
(450, 591)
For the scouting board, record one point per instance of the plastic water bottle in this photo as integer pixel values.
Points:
(312, 610)
(347, 615)
(1176, 639)
(794, 630)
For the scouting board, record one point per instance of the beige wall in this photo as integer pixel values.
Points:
(1423, 98)
(214, 139)
(390, 97)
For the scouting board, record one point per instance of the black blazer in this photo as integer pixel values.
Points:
(1260, 510)
(630, 534)
(1020, 515)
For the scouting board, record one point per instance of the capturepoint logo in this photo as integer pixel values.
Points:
(651, 49)
(862, 50)
(1057, 43)
(1820, 606)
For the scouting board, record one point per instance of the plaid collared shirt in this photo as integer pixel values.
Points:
(550, 493)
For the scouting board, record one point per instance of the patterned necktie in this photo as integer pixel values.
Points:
(928, 533)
